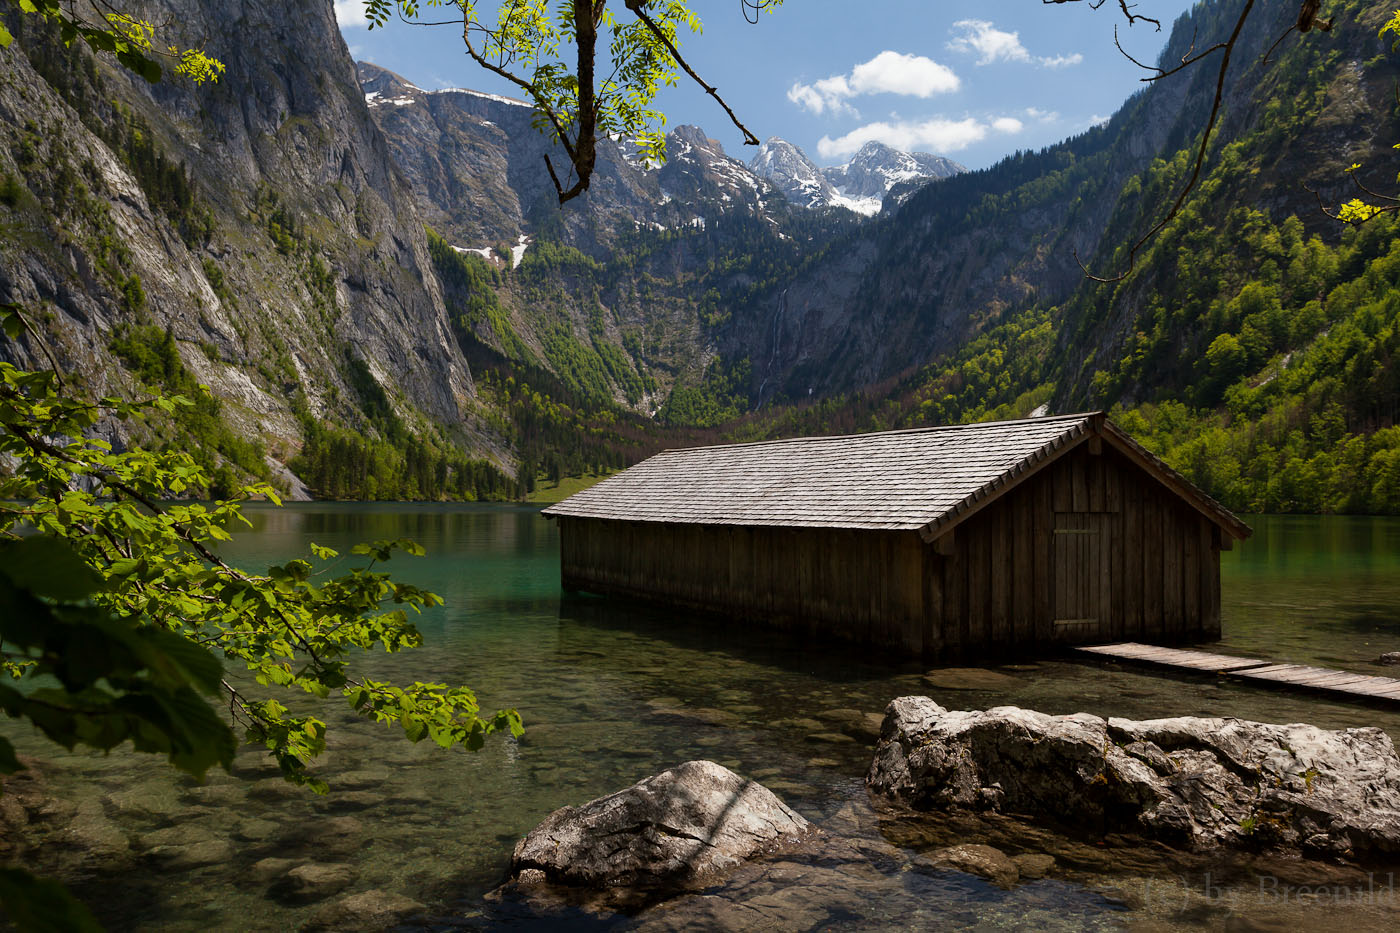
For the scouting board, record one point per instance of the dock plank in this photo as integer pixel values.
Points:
(1175, 657)
(1255, 671)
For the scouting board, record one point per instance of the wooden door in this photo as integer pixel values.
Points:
(1081, 592)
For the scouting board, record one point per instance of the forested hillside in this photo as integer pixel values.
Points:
(1255, 344)
(386, 302)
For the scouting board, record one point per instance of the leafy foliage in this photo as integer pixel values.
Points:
(338, 463)
(41, 905)
(199, 428)
(722, 396)
(526, 44)
(158, 598)
(128, 39)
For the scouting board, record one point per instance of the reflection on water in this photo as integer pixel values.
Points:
(1315, 590)
(612, 692)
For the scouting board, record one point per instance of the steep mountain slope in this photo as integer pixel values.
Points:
(963, 253)
(1256, 343)
(614, 299)
(335, 253)
(259, 222)
(476, 164)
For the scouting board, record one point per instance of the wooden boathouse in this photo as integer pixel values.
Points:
(1005, 538)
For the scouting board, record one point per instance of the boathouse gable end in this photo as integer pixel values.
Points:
(999, 539)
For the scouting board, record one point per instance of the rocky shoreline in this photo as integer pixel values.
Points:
(698, 844)
(1193, 783)
(1002, 810)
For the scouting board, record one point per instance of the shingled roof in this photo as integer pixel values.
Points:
(924, 479)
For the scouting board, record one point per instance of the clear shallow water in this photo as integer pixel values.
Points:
(613, 692)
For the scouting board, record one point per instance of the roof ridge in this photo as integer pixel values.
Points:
(928, 429)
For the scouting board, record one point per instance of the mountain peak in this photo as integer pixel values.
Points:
(795, 175)
(695, 136)
(877, 167)
(859, 185)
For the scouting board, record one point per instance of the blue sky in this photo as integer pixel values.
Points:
(969, 80)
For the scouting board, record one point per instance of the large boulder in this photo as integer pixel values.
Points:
(688, 824)
(1192, 782)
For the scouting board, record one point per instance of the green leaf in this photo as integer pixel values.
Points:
(9, 764)
(9, 314)
(38, 905)
(174, 659)
(49, 567)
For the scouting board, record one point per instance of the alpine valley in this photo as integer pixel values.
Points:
(385, 300)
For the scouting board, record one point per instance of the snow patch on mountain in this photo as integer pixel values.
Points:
(860, 185)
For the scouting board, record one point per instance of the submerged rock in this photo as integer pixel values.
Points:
(193, 855)
(1031, 865)
(693, 822)
(1390, 657)
(313, 882)
(984, 861)
(367, 911)
(970, 678)
(1196, 783)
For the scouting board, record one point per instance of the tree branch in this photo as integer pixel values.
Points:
(638, 8)
(1227, 49)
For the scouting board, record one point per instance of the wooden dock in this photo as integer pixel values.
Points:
(1257, 671)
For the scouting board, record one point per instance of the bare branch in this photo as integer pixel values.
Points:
(39, 341)
(1286, 33)
(638, 8)
(1123, 5)
(1227, 48)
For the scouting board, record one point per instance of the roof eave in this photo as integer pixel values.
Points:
(1184, 488)
(1095, 425)
(1030, 465)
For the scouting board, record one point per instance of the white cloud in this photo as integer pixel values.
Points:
(988, 42)
(806, 97)
(910, 75)
(1098, 120)
(886, 73)
(349, 13)
(1043, 116)
(990, 45)
(936, 134)
(825, 96)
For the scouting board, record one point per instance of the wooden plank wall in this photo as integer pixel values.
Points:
(860, 586)
(1156, 573)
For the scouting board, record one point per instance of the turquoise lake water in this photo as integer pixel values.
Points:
(613, 692)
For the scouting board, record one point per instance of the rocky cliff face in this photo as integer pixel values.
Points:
(260, 220)
(274, 224)
(977, 246)
(797, 176)
(626, 319)
(476, 165)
